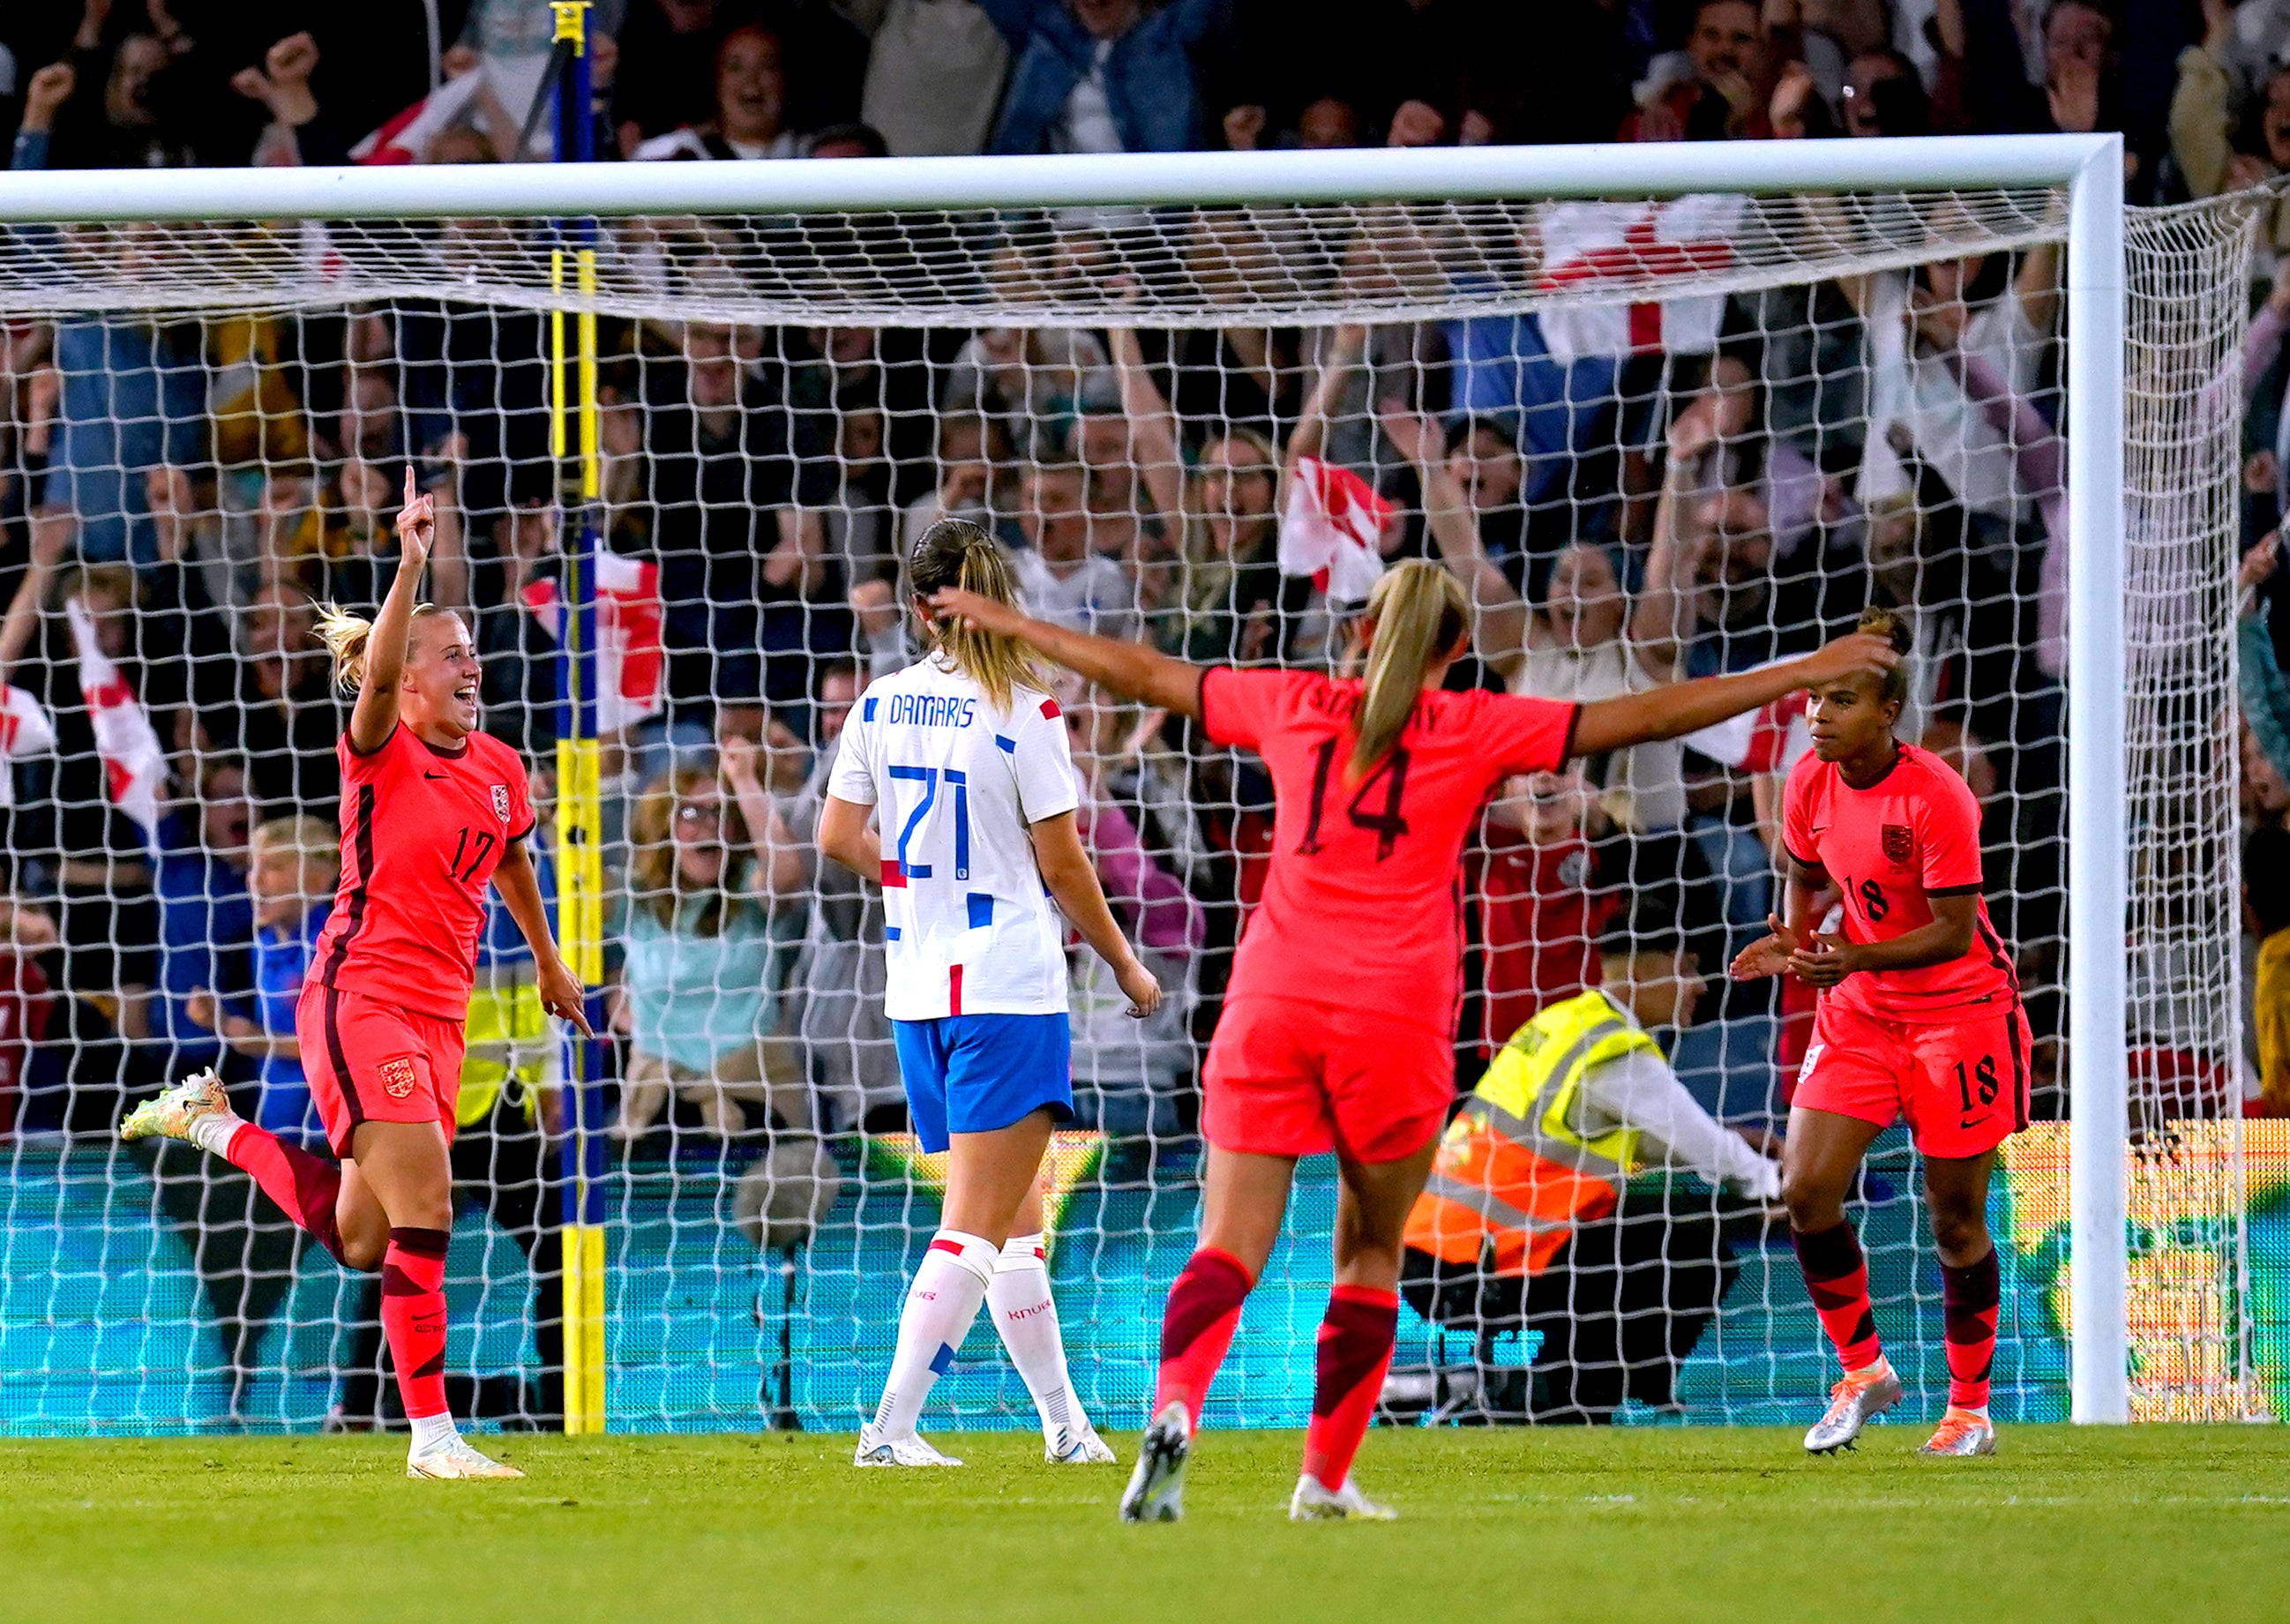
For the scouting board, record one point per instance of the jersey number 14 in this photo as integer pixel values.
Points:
(1388, 824)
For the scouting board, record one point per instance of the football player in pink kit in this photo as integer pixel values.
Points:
(432, 811)
(1338, 1029)
(1919, 1018)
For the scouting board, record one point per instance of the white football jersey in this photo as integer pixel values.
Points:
(969, 925)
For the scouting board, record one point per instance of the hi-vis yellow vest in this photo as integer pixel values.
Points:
(1514, 1173)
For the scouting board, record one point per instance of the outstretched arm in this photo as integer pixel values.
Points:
(1134, 670)
(1685, 707)
(520, 890)
(375, 716)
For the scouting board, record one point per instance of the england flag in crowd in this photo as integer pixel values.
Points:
(630, 665)
(134, 766)
(1332, 530)
(1766, 740)
(1589, 247)
(25, 731)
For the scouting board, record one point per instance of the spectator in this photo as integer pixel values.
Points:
(148, 111)
(26, 934)
(668, 62)
(1730, 66)
(935, 73)
(296, 864)
(131, 401)
(206, 918)
(738, 559)
(1586, 640)
(1980, 308)
(1881, 95)
(751, 106)
(1237, 606)
(2221, 140)
(296, 134)
(286, 718)
(839, 973)
(1124, 522)
(699, 993)
(971, 452)
(1541, 909)
(1061, 577)
(1020, 377)
(1102, 76)
(508, 43)
(49, 90)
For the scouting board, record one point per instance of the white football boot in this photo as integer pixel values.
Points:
(1157, 1485)
(1961, 1432)
(1855, 1400)
(1314, 1502)
(876, 1449)
(456, 1458)
(1078, 1447)
(175, 1113)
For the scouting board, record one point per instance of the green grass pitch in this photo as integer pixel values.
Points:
(2147, 1524)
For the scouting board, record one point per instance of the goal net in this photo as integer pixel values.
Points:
(1656, 438)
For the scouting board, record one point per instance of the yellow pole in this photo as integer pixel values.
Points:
(579, 837)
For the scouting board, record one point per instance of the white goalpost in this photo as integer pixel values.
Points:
(2140, 387)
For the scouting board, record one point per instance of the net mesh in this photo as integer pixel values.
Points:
(1655, 439)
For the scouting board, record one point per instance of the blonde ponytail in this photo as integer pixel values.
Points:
(347, 636)
(957, 553)
(1418, 615)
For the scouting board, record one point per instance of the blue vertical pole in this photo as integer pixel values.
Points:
(580, 867)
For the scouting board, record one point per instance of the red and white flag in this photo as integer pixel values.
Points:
(1332, 530)
(25, 731)
(1766, 740)
(631, 666)
(134, 766)
(1634, 249)
(405, 137)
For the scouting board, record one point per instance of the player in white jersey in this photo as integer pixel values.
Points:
(955, 786)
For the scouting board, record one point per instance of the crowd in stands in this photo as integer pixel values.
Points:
(1629, 504)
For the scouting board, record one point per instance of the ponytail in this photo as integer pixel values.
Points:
(957, 553)
(347, 636)
(1891, 625)
(1417, 616)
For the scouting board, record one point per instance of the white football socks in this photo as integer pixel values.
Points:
(1027, 1317)
(430, 1431)
(942, 1302)
(212, 1134)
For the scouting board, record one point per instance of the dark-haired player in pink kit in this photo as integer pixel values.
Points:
(1919, 1018)
(432, 810)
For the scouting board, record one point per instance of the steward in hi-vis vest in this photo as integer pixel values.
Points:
(1523, 1223)
(1513, 1178)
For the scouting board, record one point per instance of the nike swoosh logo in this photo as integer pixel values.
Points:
(439, 777)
